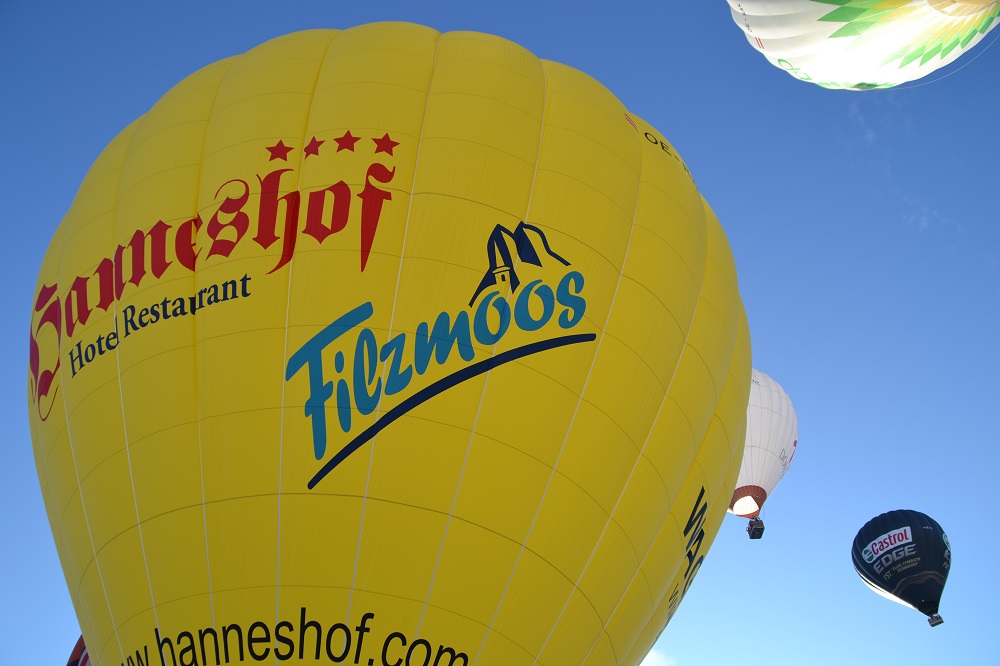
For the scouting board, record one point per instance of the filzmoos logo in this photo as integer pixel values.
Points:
(358, 384)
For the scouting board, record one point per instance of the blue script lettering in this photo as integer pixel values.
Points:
(361, 387)
(320, 391)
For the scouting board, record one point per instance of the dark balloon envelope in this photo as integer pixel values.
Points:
(905, 556)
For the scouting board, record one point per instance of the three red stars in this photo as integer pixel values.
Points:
(279, 151)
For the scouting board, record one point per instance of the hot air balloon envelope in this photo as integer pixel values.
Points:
(386, 345)
(860, 44)
(904, 556)
(79, 656)
(771, 442)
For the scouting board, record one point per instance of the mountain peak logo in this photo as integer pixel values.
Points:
(502, 269)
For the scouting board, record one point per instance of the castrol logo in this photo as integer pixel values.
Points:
(885, 542)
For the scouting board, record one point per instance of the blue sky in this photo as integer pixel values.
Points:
(866, 237)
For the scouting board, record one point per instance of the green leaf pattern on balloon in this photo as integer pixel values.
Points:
(859, 16)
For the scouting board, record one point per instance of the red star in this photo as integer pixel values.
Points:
(279, 151)
(346, 142)
(385, 144)
(313, 147)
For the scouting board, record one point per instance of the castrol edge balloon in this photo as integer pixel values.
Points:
(386, 346)
(904, 556)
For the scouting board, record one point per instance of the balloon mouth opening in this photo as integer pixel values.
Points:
(746, 507)
(747, 501)
(867, 86)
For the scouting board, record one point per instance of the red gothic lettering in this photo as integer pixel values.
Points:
(372, 199)
(267, 220)
(338, 215)
(240, 221)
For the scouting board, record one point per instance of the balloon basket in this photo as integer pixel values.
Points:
(934, 620)
(756, 528)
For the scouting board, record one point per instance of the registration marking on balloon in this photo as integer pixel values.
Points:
(403, 357)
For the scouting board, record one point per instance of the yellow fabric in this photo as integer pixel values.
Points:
(539, 330)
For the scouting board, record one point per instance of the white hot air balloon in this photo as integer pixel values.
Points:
(864, 44)
(772, 436)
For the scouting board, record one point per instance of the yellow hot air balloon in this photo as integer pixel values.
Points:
(386, 346)
(863, 44)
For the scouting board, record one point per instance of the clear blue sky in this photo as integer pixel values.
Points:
(866, 236)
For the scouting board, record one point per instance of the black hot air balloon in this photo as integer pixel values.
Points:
(904, 556)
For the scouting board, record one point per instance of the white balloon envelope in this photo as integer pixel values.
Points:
(861, 44)
(772, 437)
